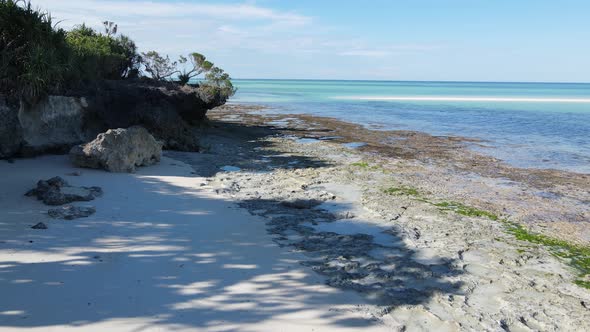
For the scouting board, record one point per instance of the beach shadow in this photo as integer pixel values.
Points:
(244, 147)
(182, 262)
(373, 260)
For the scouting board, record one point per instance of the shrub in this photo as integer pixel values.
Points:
(218, 79)
(199, 65)
(102, 56)
(132, 60)
(37, 58)
(216, 82)
(159, 67)
(34, 56)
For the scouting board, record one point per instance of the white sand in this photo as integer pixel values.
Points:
(159, 254)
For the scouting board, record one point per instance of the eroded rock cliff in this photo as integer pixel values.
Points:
(171, 113)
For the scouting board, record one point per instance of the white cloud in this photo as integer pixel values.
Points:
(171, 27)
(230, 34)
(151, 9)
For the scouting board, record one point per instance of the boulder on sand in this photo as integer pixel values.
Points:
(39, 226)
(118, 150)
(56, 191)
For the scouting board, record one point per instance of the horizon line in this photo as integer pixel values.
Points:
(413, 81)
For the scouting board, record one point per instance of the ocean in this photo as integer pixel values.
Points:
(530, 125)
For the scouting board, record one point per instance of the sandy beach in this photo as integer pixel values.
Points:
(274, 227)
(294, 166)
(160, 254)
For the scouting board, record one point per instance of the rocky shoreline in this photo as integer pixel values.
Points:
(421, 225)
(551, 202)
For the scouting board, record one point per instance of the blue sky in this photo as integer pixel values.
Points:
(466, 40)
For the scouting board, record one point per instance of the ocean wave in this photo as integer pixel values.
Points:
(468, 99)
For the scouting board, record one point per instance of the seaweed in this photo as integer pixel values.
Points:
(577, 256)
(362, 164)
(466, 210)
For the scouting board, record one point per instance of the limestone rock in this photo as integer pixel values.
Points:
(39, 226)
(56, 191)
(53, 124)
(11, 138)
(118, 150)
(171, 113)
(70, 212)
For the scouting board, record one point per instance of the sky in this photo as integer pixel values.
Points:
(424, 40)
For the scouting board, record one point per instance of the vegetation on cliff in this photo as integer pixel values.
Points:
(34, 55)
(102, 56)
(38, 58)
(216, 80)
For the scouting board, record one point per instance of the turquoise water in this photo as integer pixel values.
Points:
(539, 125)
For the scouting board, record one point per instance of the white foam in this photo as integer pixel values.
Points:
(469, 99)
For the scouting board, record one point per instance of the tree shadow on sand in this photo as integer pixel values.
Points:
(243, 146)
(358, 255)
(181, 262)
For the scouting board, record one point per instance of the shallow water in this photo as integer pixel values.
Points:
(539, 125)
(354, 145)
(230, 169)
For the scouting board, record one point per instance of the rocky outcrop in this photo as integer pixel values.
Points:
(39, 225)
(11, 138)
(171, 113)
(118, 150)
(54, 124)
(56, 191)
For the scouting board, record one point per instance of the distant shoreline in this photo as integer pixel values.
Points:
(403, 81)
